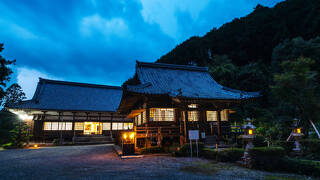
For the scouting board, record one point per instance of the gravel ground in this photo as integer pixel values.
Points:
(100, 162)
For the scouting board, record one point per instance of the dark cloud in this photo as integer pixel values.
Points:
(99, 41)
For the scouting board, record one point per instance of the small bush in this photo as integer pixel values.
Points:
(184, 150)
(230, 155)
(152, 150)
(286, 145)
(306, 167)
(266, 158)
(225, 155)
(311, 147)
(8, 146)
(259, 141)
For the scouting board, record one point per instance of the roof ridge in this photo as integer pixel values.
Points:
(172, 66)
(42, 80)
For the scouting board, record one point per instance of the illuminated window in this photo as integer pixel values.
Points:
(161, 114)
(193, 115)
(54, 126)
(125, 126)
(120, 126)
(224, 115)
(62, 126)
(130, 125)
(68, 126)
(212, 116)
(106, 126)
(78, 126)
(47, 126)
(144, 117)
(193, 106)
(114, 126)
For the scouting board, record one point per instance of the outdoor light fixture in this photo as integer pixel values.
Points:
(248, 137)
(297, 135)
(128, 143)
(250, 132)
(25, 117)
(35, 146)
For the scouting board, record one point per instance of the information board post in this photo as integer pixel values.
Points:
(194, 135)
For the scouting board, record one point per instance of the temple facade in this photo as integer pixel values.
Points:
(166, 101)
(162, 104)
(67, 110)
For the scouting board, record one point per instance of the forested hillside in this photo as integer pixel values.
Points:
(251, 38)
(272, 50)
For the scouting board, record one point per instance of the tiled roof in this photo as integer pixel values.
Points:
(182, 81)
(71, 96)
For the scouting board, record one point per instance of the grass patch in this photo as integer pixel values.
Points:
(206, 168)
(200, 168)
(281, 178)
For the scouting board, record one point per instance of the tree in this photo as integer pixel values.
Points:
(14, 94)
(296, 87)
(5, 72)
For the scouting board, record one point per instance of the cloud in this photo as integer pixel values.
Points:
(28, 79)
(114, 26)
(98, 41)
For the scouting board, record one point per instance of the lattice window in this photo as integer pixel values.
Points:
(193, 115)
(106, 126)
(47, 126)
(68, 126)
(224, 115)
(212, 116)
(144, 117)
(78, 126)
(54, 126)
(161, 114)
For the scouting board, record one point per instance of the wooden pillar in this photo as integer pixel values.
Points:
(111, 119)
(73, 124)
(186, 126)
(147, 116)
(219, 125)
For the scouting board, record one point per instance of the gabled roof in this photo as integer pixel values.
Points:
(71, 96)
(182, 81)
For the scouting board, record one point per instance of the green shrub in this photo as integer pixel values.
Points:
(306, 167)
(286, 145)
(184, 150)
(209, 153)
(223, 155)
(259, 141)
(8, 146)
(230, 155)
(266, 158)
(311, 148)
(151, 150)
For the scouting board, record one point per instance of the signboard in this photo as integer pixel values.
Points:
(203, 135)
(193, 134)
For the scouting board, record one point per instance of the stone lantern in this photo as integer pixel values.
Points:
(248, 137)
(297, 135)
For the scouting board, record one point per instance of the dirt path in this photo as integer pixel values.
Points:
(99, 162)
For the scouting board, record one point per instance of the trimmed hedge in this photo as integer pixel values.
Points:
(184, 150)
(266, 158)
(311, 148)
(259, 141)
(224, 155)
(286, 145)
(306, 167)
(151, 150)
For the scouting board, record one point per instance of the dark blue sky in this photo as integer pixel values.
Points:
(98, 41)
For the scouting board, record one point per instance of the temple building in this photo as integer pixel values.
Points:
(169, 100)
(162, 104)
(68, 110)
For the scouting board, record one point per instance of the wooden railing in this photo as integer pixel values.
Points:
(143, 132)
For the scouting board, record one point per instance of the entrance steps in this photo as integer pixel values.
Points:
(93, 139)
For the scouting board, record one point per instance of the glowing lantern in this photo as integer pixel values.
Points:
(132, 135)
(250, 131)
(35, 146)
(299, 130)
(124, 136)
